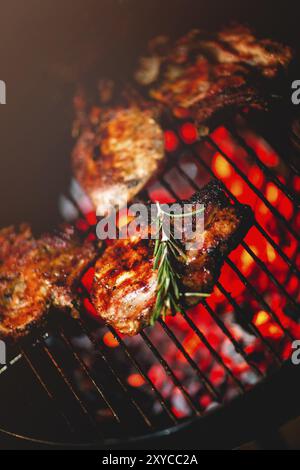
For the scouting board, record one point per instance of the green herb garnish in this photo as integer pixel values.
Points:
(168, 253)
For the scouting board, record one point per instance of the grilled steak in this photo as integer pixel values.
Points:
(117, 155)
(202, 74)
(37, 273)
(125, 283)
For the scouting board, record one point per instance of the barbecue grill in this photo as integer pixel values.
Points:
(215, 376)
(102, 389)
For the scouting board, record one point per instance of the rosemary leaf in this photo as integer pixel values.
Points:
(168, 254)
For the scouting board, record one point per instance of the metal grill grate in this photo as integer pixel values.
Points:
(108, 405)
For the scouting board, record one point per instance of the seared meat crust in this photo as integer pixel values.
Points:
(201, 74)
(37, 273)
(117, 156)
(125, 284)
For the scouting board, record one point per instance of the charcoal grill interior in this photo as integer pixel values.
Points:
(94, 383)
(78, 383)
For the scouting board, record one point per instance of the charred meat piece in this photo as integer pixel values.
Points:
(202, 74)
(266, 55)
(125, 283)
(37, 273)
(116, 156)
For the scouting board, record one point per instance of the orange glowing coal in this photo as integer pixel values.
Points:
(272, 193)
(136, 380)
(171, 141)
(221, 167)
(110, 341)
(261, 318)
(189, 133)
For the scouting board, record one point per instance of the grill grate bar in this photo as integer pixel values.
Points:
(295, 170)
(269, 173)
(260, 299)
(87, 372)
(162, 402)
(270, 275)
(213, 352)
(277, 248)
(207, 383)
(67, 382)
(251, 325)
(254, 189)
(229, 335)
(101, 354)
(292, 167)
(194, 406)
(46, 390)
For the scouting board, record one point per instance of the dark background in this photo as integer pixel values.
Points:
(47, 46)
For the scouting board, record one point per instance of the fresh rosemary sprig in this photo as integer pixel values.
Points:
(167, 255)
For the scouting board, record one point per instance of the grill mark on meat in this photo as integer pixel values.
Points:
(127, 302)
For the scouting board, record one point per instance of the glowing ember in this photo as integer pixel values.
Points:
(135, 380)
(110, 340)
(261, 318)
(221, 166)
(171, 141)
(236, 188)
(272, 193)
(189, 133)
(271, 254)
(91, 218)
(256, 176)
